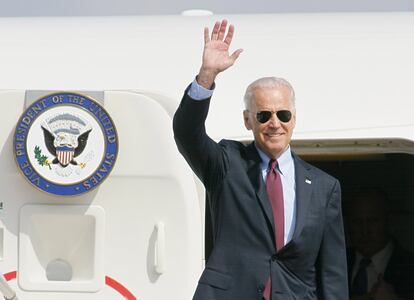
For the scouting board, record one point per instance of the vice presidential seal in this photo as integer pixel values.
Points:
(65, 144)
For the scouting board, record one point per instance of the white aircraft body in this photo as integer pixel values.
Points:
(140, 233)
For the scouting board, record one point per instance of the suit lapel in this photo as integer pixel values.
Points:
(255, 175)
(304, 184)
(304, 187)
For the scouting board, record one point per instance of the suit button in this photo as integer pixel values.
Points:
(260, 289)
(274, 257)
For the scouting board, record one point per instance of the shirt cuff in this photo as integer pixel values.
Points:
(198, 92)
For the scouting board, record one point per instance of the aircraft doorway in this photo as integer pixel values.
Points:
(378, 210)
(387, 165)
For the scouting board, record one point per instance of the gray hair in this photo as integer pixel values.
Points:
(267, 82)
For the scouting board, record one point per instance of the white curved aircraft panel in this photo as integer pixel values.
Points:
(349, 69)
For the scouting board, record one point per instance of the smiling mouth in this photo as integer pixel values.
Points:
(273, 134)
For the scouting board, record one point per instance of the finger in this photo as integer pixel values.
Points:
(236, 54)
(229, 35)
(222, 30)
(214, 33)
(206, 35)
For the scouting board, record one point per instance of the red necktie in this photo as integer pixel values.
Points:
(275, 194)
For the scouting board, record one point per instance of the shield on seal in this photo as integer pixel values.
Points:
(65, 155)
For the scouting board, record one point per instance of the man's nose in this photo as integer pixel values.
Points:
(274, 121)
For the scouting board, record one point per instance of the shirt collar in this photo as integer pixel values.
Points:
(380, 259)
(284, 161)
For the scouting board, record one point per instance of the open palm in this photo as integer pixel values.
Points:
(216, 56)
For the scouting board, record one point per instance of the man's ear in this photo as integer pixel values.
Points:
(247, 120)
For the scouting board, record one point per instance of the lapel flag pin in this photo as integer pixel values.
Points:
(308, 181)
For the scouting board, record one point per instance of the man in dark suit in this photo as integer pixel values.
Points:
(276, 220)
(379, 268)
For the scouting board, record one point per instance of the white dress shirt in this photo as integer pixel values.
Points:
(377, 266)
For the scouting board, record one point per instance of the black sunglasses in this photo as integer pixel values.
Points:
(265, 115)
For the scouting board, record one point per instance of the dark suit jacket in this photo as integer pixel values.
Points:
(311, 266)
(399, 271)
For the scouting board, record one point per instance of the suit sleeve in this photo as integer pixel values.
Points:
(332, 265)
(206, 157)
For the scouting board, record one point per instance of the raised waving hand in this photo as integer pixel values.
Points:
(216, 56)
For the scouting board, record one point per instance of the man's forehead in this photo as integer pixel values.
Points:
(280, 89)
(271, 97)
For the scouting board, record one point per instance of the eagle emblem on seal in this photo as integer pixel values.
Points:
(66, 136)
